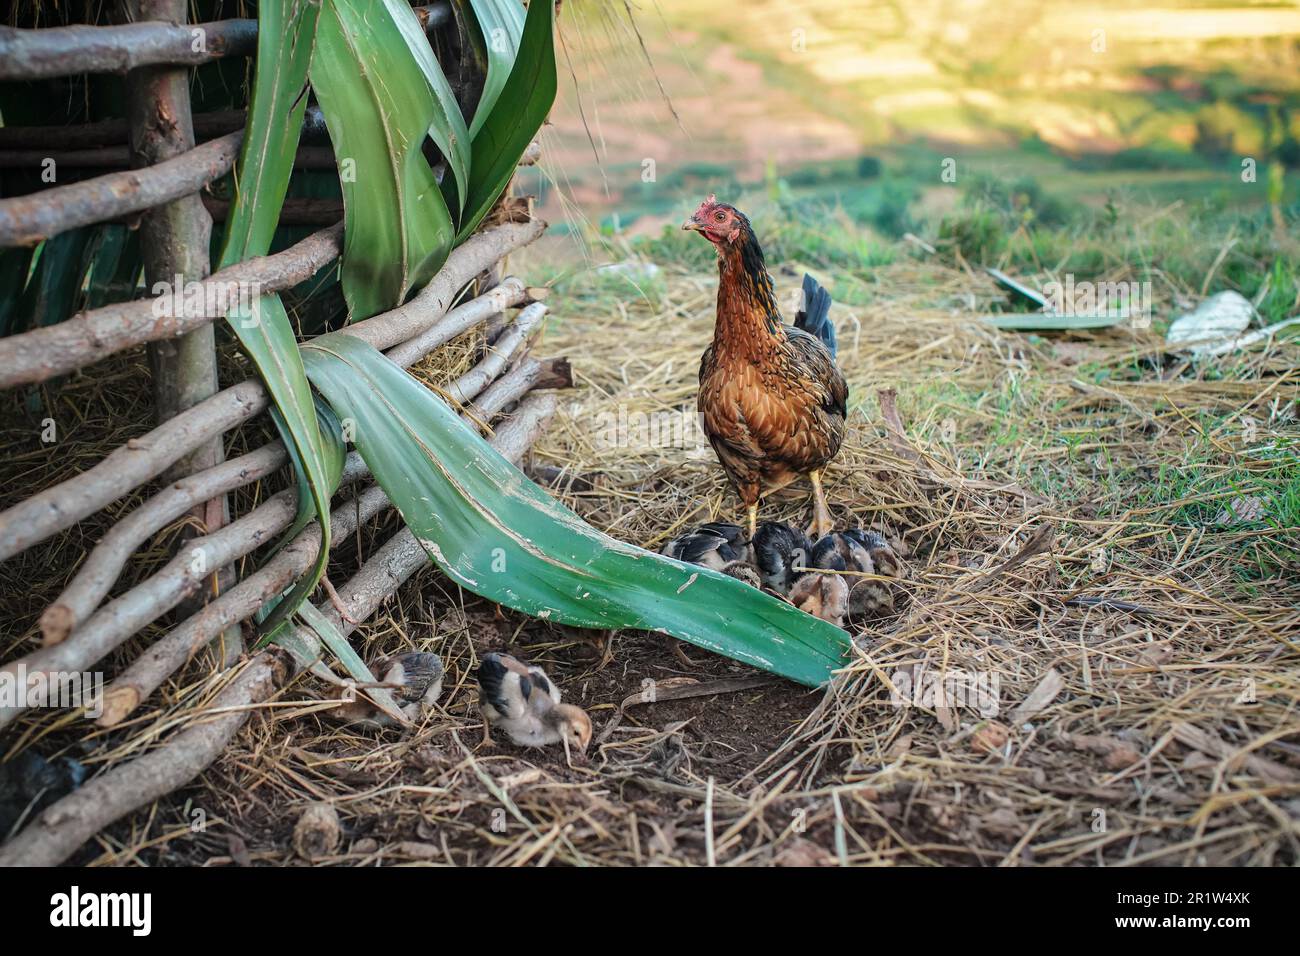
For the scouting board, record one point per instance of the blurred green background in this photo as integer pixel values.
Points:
(1040, 136)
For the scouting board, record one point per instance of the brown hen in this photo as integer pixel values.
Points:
(773, 402)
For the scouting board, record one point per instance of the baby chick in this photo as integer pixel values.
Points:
(415, 678)
(523, 702)
(868, 552)
(29, 783)
(778, 549)
(823, 595)
(718, 545)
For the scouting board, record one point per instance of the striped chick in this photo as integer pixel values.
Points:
(524, 703)
(718, 545)
(823, 595)
(869, 552)
(778, 550)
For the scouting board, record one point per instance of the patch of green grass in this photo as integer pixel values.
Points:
(1222, 497)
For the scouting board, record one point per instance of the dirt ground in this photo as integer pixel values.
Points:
(1138, 635)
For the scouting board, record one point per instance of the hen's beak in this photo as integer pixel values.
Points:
(692, 223)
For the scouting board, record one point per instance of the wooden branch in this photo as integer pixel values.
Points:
(41, 354)
(466, 261)
(458, 321)
(530, 374)
(477, 378)
(136, 462)
(63, 51)
(180, 578)
(64, 826)
(105, 563)
(26, 220)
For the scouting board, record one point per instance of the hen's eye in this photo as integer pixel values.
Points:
(719, 215)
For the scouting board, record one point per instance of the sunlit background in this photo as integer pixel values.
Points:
(858, 103)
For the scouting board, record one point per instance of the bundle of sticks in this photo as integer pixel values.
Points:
(508, 392)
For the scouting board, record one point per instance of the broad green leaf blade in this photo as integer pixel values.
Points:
(333, 452)
(351, 661)
(496, 27)
(495, 533)
(55, 282)
(267, 337)
(15, 265)
(1046, 321)
(517, 115)
(379, 107)
(448, 127)
(286, 29)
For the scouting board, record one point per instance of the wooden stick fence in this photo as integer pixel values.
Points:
(82, 626)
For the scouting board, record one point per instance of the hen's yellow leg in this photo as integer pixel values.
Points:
(821, 514)
(752, 511)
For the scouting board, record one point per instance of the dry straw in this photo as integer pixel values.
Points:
(1145, 693)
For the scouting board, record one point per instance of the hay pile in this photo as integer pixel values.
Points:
(1154, 721)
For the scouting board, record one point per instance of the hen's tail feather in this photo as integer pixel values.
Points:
(815, 316)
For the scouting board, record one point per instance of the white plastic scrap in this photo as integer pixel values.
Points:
(1212, 327)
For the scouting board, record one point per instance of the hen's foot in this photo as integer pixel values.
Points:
(822, 524)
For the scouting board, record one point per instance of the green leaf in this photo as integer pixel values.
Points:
(268, 338)
(517, 115)
(497, 534)
(333, 452)
(55, 282)
(1045, 321)
(285, 35)
(496, 28)
(284, 53)
(15, 266)
(351, 661)
(448, 127)
(379, 107)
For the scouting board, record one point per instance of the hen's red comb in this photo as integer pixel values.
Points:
(707, 204)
